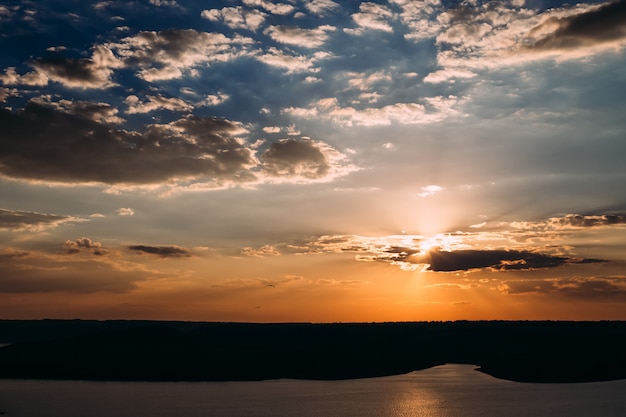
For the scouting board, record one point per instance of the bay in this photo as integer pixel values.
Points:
(449, 390)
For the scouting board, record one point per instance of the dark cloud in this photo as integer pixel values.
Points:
(99, 112)
(94, 72)
(162, 251)
(291, 157)
(604, 24)
(498, 260)
(41, 143)
(577, 287)
(12, 219)
(577, 220)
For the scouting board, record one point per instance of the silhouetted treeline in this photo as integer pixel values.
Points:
(149, 350)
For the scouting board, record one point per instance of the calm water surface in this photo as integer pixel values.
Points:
(443, 391)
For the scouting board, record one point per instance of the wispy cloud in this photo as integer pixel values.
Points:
(26, 220)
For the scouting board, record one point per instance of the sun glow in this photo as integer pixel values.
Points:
(443, 241)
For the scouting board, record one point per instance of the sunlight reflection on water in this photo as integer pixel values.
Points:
(449, 390)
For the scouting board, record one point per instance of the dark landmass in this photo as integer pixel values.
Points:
(550, 351)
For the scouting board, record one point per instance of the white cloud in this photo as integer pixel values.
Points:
(308, 38)
(292, 63)
(6, 93)
(430, 190)
(214, 99)
(367, 81)
(167, 54)
(321, 7)
(11, 77)
(125, 211)
(236, 17)
(503, 35)
(152, 103)
(434, 109)
(170, 3)
(448, 74)
(274, 8)
(373, 16)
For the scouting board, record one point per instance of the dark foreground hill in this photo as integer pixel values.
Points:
(176, 351)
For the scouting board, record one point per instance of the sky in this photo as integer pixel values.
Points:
(316, 161)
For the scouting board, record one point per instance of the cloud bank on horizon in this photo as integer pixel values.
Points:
(172, 147)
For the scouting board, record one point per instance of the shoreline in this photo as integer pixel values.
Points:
(539, 352)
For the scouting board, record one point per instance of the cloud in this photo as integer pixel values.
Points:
(125, 211)
(83, 245)
(236, 17)
(574, 221)
(577, 220)
(304, 159)
(162, 251)
(34, 78)
(214, 99)
(364, 82)
(6, 93)
(420, 18)
(340, 283)
(96, 111)
(576, 287)
(4, 12)
(263, 251)
(373, 16)
(40, 143)
(308, 38)
(604, 24)
(444, 75)
(35, 272)
(321, 7)
(272, 129)
(259, 282)
(497, 260)
(501, 260)
(465, 33)
(430, 190)
(293, 63)
(65, 144)
(433, 110)
(165, 55)
(26, 220)
(94, 72)
(497, 34)
(157, 102)
(169, 3)
(447, 252)
(281, 9)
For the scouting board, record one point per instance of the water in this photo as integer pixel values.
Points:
(449, 390)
